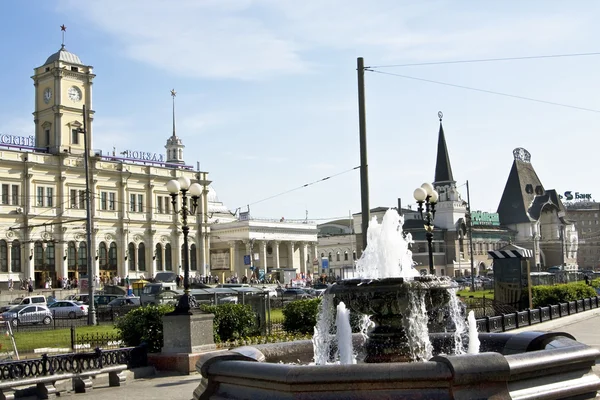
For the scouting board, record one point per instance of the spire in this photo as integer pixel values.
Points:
(173, 94)
(63, 29)
(443, 170)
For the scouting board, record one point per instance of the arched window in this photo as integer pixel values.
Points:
(193, 261)
(82, 258)
(15, 256)
(141, 257)
(180, 154)
(102, 256)
(158, 255)
(345, 256)
(337, 256)
(131, 256)
(3, 256)
(72, 256)
(329, 257)
(51, 256)
(112, 257)
(322, 255)
(168, 259)
(38, 255)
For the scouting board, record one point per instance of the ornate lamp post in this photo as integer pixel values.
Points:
(181, 187)
(428, 196)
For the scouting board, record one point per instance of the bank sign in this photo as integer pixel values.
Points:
(569, 195)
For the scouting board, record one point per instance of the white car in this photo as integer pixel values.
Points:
(271, 290)
(68, 309)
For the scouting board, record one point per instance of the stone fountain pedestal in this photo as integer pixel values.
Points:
(186, 337)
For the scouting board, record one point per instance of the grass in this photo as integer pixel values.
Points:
(488, 294)
(27, 341)
(277, 313)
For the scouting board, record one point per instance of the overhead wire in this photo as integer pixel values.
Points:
(484, 91)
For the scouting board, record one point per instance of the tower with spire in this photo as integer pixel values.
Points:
(174, 145)
(451, 208)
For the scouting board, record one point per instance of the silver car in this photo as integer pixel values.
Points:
(27, 314)
(68, 309)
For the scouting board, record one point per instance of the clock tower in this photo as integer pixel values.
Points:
(63, 84)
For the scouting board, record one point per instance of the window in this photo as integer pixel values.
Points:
(142, 257)
(131, 256)
(72, 256)
(140, 199)
(75, 136)
(15, 195)
(136, 202)
(329, 257)
(77, 198)
(112, 257)
(103, 200)
(82, 258)
(47, 137)
(168, 259)
(4, 194)
(102, 256)
(158, 255)
(193, 261)
(15, 256)
(45, 196)
(162, 205)
(50, 256)
(159, 205)
(75, 69)
(112, 201)
(3, 256)
(337, 256)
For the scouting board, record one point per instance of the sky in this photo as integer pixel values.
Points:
(267, 92)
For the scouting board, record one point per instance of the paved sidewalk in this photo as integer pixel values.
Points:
(585, 327)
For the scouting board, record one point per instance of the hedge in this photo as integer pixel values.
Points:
(301, 316)
(144, 325)
(232, 321)
(544, 295)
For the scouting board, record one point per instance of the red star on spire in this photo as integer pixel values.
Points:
(63, 27)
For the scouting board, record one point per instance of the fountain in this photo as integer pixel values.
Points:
(403, 359)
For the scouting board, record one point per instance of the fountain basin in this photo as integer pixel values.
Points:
(390, 302)
(525, 365)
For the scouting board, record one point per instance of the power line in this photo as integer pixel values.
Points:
(486, 91)
(303, 186)
(487, 60)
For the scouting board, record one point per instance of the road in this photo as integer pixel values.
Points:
(584, 327)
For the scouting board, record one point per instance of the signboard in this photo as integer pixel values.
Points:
(315, 262)
(247, 260)
(324, 263)
(143, 155)
(244, 216)
(577, 196)
(219, 260)
(17, 140)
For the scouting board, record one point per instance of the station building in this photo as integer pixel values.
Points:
(135, 230)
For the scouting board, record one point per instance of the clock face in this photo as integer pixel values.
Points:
(74, 93)
(47, 95)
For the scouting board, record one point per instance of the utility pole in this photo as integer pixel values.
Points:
(88, 226)
(364, 167)
(470, 232)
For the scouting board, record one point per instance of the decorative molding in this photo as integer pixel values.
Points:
(108, 237)
(137, 238)
(10, 234)
(96, 230)
(29, 176)
(46, 236)
(164, 239)
(64, 229)
(79, 237)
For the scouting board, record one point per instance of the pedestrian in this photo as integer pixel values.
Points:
(587, 280)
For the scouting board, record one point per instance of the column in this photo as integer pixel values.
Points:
(249, 248)
(315, 256)
(303, 260)
(135, 256)
(275, 254)
(8, 257)
(233, 257)
(206, 264)
(176, 250)
(150, 261)
(122, 263)
(291, 255)
(263, 255)
(62, 261)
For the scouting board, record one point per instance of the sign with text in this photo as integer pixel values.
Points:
(14, 140)
(569, 195)
(324, 263)
(219, 261)
(246, 260)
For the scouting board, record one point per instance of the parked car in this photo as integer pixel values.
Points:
(119, 306)
(294, 294)
(68, 309)
(125, 301)
(28, 314)
(13, 303)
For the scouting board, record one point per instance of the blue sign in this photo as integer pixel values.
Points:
(247, 260)
(325, 263)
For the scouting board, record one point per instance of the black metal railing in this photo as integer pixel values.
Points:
(87, 341)
(73, 362)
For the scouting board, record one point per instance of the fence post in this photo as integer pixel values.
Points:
(73, 337)
(487, 323)
(45, 364)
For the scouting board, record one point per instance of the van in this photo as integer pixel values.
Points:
(41, 300)
(152, 290)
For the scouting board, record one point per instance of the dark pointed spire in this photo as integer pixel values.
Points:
(443, 170)
(173, 94)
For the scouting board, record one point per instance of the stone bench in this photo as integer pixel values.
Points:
(45, 385)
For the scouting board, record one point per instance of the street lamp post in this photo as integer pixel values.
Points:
(182, 187)
(428, 196)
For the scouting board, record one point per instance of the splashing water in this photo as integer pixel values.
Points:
(458, 321)
(387, 254)
(473, 336)
(322, 338)
(344, 335)
(416, 329)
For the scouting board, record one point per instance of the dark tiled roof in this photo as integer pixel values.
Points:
(518, 197)
(443, 170)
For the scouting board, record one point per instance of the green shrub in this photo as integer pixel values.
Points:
(144, 325)
(232, 321)
(549, 295)
(595, 283)
(301, 316)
